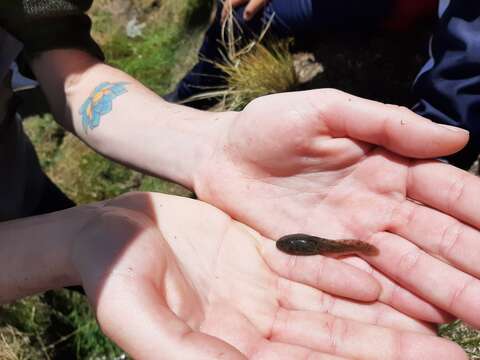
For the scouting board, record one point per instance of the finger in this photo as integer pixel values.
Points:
(296, 296)
(428, 277)
(400, 298)
(236, 3)
(152, 329)
(229, 5)
(446, 188)
(278, 351)
(253, 7)
(395, 128)
(439, 234)
(356, 340)
(235, 328)
(323, 273)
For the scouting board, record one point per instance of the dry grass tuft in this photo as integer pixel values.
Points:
(256, 68)
(15, 345)
(265, 69)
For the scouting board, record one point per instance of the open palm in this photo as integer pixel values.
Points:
(334, 165)
(174, 278)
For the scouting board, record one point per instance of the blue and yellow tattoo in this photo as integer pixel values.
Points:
(99, 103)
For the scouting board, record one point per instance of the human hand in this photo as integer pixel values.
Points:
(175, 278)
(334, 165)
(251, 9)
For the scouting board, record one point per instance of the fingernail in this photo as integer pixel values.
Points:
(453, 128)
(247, 15)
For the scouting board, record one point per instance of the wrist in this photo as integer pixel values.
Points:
(60, 233)
(36, 252)
(194, 137)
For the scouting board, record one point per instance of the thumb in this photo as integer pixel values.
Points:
(392, 127)
(253, 7)
(152, 330)
(229, 5)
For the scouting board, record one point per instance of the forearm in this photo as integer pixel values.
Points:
(35, 252)
(140, 130)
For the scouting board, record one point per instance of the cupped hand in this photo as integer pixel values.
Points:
(175, 278)
(252, 7)
(334, 165)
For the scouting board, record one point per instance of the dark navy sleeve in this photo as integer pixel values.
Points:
(49, 24)
(448, 89)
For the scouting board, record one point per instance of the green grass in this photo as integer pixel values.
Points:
(82, 334)
(26, 323)
(58, 324)
(163, 53)
(465, 336)
(47, 137)
(147, 59)
(15, 345)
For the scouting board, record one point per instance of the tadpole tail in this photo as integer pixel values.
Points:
(358, 246)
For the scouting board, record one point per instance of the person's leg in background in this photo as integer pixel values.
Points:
(205, 75)
(289, 18)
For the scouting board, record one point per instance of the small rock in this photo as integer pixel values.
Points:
(134, 28)
(306, 67)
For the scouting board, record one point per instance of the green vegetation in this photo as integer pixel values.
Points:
(465, 336)
(252, 68)
(23, 329)
(262, 70)
(60, 324)
(163, 52)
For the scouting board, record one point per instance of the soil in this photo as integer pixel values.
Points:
(378, 65)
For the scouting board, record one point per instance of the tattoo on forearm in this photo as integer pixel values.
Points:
(99, 103)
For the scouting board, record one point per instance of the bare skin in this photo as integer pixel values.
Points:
(252, 7)
(341, 171)
(175, 278)
(204, 287)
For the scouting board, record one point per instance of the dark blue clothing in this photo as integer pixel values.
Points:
(449, 86)
(290, 18)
